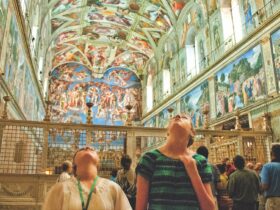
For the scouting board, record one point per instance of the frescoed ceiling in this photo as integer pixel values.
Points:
(105, 33)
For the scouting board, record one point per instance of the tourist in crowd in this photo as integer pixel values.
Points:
(224, 201)
(66, 171)
(250, 166)
(114, 173)
(202, 150)
(126, 179)
(243, 186)
(270, 180)
(261, 198)
(173, 176)
(229, 166)
(86, 190)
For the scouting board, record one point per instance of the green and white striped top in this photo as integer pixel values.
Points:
(170, 185)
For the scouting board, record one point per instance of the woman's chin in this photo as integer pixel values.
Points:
(89, 158)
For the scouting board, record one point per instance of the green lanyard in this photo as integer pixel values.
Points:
(89, 195)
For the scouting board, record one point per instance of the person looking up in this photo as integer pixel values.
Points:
(86, 190)
(172, 176)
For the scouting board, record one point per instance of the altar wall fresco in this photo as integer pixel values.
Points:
(72, 85)
(193, 103)
(241, 82)
(17, 75)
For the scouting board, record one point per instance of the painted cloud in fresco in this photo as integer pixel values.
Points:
(73, 85)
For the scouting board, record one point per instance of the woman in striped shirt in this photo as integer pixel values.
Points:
(172, 176)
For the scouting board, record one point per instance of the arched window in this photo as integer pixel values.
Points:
(166, 82)
(232, 27)
(237, 23)
(192, 53)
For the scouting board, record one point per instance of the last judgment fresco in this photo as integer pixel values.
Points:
(73, 85)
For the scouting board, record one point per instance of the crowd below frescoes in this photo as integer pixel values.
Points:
(70, 91)
(240, 93)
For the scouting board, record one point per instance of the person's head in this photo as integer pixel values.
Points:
(202, 150)
(250, 165)
(181, 126)
(84, 160)
(225, 161)
(239, 162)
(114, 172)
(275, 152)
(66, 166)
(126, 162)
(222, 168)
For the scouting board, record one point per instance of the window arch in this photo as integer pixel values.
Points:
(192, 53)
(232, 27)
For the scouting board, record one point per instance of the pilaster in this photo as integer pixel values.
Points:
(268, 65)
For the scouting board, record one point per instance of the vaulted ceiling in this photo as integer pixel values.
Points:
(106, 33)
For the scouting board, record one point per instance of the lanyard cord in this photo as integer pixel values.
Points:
(89, 195)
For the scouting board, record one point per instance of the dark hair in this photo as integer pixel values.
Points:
(114, 172)
(190, 141)
(202, 150)
(239, 162)
(275, 151)
(222, 168)
(126, 162)
(65, 165)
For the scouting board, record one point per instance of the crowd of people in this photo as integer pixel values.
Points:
(169, 177)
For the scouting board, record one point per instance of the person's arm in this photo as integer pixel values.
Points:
(203, 191)
(264, 178)
(142, 193)
(144, 172)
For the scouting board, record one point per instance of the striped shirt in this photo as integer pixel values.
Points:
(170, 185)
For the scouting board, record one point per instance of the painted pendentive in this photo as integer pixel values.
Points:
(241, 82)
(194, 102)
(72, 85)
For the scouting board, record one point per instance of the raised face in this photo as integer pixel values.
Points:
(86, 155)
(181, 125)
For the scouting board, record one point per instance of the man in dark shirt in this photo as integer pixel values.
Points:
(216, 181)
(243, 186)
